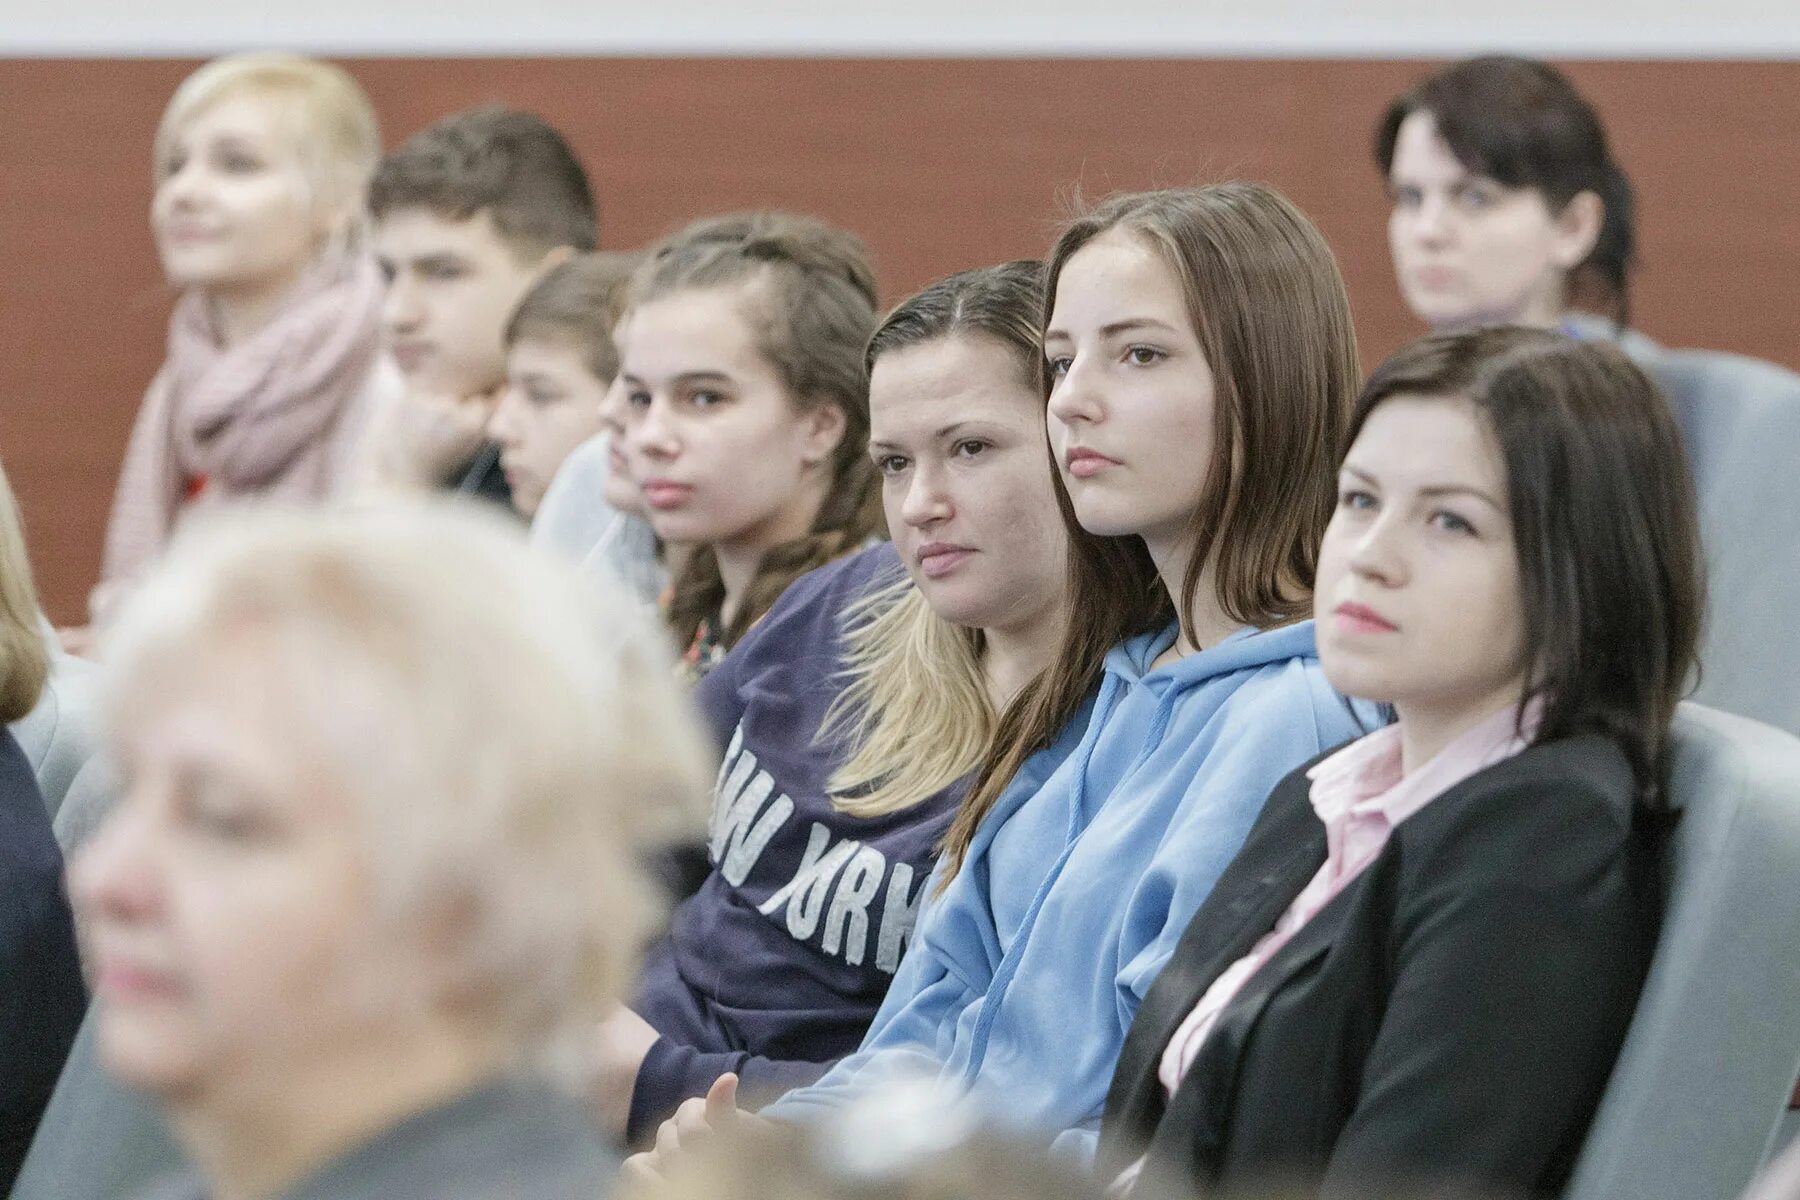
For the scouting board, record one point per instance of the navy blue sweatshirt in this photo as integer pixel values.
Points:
(774, 968)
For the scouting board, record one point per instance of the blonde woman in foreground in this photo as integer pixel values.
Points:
(372, 881)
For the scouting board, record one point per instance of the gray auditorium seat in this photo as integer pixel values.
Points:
(61, 739)
(1704, 1077)
(97, 1140)
(1741, 420)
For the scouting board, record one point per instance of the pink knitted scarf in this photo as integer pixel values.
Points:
(241, 415)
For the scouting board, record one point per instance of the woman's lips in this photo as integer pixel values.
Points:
(938, 559)
(119, 979)
(1435, 278)
(1085, 464)
(408, 355)
(661, 494)
(1360, 618)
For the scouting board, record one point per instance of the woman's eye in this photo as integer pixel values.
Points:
(173, 165)
(538, 398)
(1355, 500)
(442, 272)
(706, 399)
(1477, 197)
(213, 811)
(970, 447)
(1144, 356)
(1406, 196)
(891, 464)
(234, 162)
(635, 399)
(1057, 367)
(1449, 522)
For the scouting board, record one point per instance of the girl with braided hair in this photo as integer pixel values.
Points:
(741, 367)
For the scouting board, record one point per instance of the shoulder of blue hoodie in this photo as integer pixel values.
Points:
(1177, 763)
(776, 964)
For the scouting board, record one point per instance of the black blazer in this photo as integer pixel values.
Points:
(41, 993)
(1452, 1015)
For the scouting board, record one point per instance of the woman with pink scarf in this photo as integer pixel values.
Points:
(273, 362)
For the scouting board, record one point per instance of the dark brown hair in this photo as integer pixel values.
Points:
(1269, 308)
(579, 301)
(510, 164)
(810, 295)
(1602, 508)
(1521, 123)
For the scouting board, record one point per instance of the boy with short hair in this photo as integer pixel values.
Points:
(466, 215)
(556, 419)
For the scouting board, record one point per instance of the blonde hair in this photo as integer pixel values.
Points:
(24, 659)
(510, 738)
(916, 709)
(331, 120)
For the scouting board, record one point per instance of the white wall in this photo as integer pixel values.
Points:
(1249, 28)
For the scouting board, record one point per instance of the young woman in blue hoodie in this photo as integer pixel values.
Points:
(853, 713)
(1200, 366)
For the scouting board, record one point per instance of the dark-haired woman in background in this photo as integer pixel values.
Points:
(1422, 964)
(1508, 208)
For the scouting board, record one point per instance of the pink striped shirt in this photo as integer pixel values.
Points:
(1360, 793)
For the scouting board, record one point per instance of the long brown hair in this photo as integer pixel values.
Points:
(1603, 514)
(1270, 311)
(814, 309)
(915, 708)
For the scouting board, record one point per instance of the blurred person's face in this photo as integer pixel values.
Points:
(1131, 393)
(621, 490)
(1418, 600)
(234, 209)
(1469, 251)
(452, 285)
(551, 404)
(716, 444)
(228, 905)
(957, 431)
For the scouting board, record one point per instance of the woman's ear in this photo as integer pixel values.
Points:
(823, 430)
(1578, 229)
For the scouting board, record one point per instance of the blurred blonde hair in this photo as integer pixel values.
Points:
(24, 659)
(325, 111)
(512, 739)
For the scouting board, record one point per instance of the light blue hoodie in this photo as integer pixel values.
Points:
(1024, 975)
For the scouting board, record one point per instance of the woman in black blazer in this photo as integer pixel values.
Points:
(1433, 992)
(41, 992)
